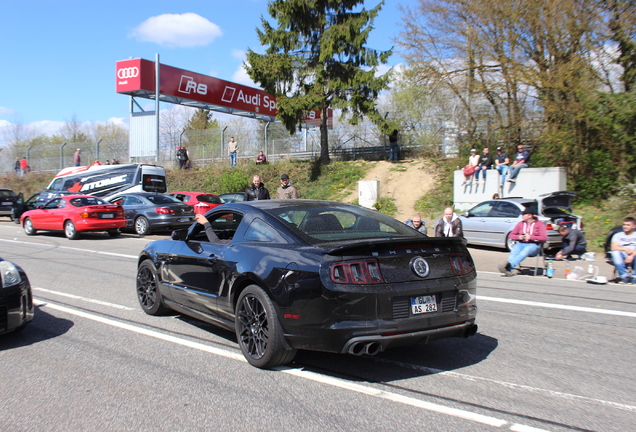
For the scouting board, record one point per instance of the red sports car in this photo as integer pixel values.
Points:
(202, 202)
(74, 214)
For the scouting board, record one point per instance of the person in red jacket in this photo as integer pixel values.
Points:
(24, 165)
(530, 233)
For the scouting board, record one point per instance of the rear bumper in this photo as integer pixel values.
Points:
(98, 224)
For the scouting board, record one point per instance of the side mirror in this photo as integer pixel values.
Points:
(179, 235)
(40, 206)
(467, 214)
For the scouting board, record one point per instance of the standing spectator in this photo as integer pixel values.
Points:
(501, 163)
(286, 190)
(24, 165)
(261, 158)
(394, 147)
(232, 148)
(449, 225)
(522, 160)
(97, 162)
(77, 159)
(485, 161)
(257, 191)
(495, 196)
(417, 224)
(624, 250)
(573, 243)
(183, 156)
(114, 162)
(469, 170)
(16, 167)
(107, 162)
(529, 233)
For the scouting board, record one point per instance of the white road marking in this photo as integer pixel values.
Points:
(552, 393)
(85, 299)
(92, 251)
(336, 382)
(558, 306)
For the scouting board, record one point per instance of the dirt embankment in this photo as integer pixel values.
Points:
(405, 182)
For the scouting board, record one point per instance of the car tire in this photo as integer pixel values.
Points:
(70, 231)
(148, 290)
(114, 232)
(258, 331)
(28, 227)
(509, 243)
(142, 226)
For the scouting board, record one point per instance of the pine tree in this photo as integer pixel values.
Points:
(316, 59)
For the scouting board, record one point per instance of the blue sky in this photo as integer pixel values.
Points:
(59, 55)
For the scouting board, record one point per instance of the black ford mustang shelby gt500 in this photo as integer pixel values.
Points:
(314, 275)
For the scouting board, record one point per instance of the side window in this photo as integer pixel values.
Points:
(57, 184)
(508, 210)
(131, 200)
(261, 231)
(53, 204)
(482, 210)
(225, 224)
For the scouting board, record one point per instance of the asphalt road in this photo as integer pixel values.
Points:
(550, 354)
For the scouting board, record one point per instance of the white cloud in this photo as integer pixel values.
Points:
(47, 127)
(240, 76)
(7, 111)
(239, 54)
(174, 30)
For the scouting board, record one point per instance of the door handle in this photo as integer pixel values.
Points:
(212, 258)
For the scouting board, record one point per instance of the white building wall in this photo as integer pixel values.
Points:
(531, 182)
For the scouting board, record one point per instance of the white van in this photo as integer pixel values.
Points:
(106, 180)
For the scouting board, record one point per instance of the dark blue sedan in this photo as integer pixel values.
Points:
(314, 275)
(16, 300)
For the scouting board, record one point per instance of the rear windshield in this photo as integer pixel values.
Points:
(341, 224)
(212, 199)
(162, 199)
(87, 201)
(153, 183)
(7, 193)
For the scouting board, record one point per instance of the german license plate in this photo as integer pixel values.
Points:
(184, 220)
(108, 215)
(423, 304)
(7, 203)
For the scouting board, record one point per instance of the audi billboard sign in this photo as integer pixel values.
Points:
(136, 77)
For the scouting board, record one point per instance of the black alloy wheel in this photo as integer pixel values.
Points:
(147, 290)
(258, 331)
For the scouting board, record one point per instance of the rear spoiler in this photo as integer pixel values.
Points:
(424, 242)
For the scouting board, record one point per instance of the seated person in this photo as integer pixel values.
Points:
(529, 233)
(624, 250)
(261, 158)
(212, 237)
(573, 243)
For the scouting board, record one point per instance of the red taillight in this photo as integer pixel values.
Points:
(89, 215)
(581, 225)
(163, 210)
(357, 272)
(461, 264)
(549, 227)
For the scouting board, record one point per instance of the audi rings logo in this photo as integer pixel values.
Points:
(420, 266)
(130, 72)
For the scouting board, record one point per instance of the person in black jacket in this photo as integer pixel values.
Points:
(485, 161)
(257, 191)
